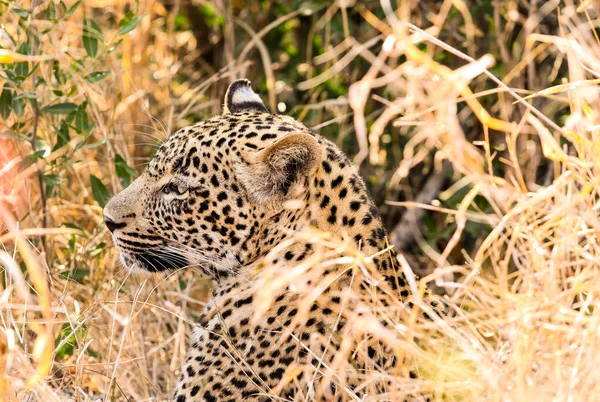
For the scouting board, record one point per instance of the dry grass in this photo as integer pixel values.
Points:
(524, 323)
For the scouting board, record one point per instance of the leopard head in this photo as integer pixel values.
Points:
(215, 194)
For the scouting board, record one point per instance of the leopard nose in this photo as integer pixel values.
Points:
(112, 225)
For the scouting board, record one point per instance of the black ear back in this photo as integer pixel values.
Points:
(241, 98)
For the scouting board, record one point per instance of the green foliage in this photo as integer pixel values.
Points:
(96, 76)
(101, 193)
(77, 274)
(66, 341)
(46, 101)
(124, 171)
(211, 17)
(97, 250)
(71, 337)
(81, 120)
(62, 108)
(6, 100)
(129, 23)
(92, 35)
(71, 9)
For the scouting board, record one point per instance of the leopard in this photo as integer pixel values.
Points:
(226, 194)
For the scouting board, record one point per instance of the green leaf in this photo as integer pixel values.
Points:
(36, 155)
(90, 44)
(82, 123)
(77, 65)
(211, 17)
(58, 74)
(91, 352)
(22, 68)
(77, 274)
(66, 341)
(81, 143)
(72, 243)
(20, 12)
(62, 108)
(93, 27)
(99, 190)
(129, 26)
(115, 45)
(10, 77)
(62, 137)
(5, 102)
(72, 90)
(181, 22)
(91, 35)
(97, 250)
(18, 105)
(73, 8)
(124, 171)
(126, 18)
(94, 144)
(96, 76)
(51, 180)
(51, 11)
(35, 67)
(27, 95)
(72, 226)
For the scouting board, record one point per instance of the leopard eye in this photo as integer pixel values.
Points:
(174, 188)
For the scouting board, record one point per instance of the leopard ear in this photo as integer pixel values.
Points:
(240, 98)
(283, 170)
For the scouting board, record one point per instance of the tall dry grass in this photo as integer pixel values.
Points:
(94, 337)
(524, 322)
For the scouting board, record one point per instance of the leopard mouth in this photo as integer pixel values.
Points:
(162, 260)
(145, 252)
(159, 260)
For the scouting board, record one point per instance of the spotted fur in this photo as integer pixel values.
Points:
(215, 196)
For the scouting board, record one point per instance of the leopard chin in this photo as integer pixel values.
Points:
(154, 261)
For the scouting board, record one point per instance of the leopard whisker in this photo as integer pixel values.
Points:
(196, 254)
(160, 122)
(151, 136)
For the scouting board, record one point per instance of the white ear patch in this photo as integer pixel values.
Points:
(240, 97)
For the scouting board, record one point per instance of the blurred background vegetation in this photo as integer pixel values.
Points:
(302, 57)
(89, 88)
